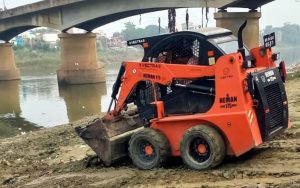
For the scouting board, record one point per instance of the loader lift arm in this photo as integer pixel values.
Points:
(133, 72)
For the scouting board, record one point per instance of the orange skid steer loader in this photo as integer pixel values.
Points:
(199, 95)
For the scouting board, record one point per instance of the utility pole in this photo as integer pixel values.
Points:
(4, 7)
(172, 20)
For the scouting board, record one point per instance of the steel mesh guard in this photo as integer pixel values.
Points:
(182, 51)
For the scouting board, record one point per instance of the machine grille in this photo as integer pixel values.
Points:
(275, 103)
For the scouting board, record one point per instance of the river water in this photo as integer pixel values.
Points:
(35, 102)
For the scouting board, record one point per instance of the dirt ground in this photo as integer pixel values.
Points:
(56, 158)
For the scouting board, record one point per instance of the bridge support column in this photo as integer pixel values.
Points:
(8, 69)
(233, 20)
(80, 63)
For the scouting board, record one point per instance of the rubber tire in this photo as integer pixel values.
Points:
(215, 142)
(158, 141)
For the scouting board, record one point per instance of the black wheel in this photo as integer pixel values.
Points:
(202, 147)
(148, 148)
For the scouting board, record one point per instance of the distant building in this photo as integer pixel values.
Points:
(19, 41)
(183, 27)
(100, 33)
(31, 37)
(23, 39)
(50, 37)
(116, 42)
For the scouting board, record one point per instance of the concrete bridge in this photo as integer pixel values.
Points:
(79, 58)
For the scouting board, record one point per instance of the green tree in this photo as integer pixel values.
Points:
(117, 34)
(129, 32)
(152, 30)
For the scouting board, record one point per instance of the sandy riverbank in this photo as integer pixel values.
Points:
(55, 157)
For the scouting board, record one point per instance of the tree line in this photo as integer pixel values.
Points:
(130, 31)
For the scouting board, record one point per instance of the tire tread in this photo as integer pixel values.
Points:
(159, 140)
(216, 139)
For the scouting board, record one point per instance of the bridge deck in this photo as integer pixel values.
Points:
(35, 7)
(90, 14)
(49, 4)
(251, 4)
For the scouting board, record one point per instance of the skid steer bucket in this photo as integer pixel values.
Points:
(109, 139)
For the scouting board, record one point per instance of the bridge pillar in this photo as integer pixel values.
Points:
(80, 63)
(233, 20)
(8, 69)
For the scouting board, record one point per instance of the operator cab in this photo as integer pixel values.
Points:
(200, 47)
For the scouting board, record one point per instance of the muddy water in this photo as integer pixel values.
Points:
(37, 101)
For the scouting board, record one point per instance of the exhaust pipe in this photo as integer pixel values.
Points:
(241, 44)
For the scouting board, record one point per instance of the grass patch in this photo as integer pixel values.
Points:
(112, 58)
(293, 76)
(37, 62)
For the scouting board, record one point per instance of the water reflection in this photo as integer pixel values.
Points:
(11, 122)
(82, 100)
(9, 97)
(38, 101)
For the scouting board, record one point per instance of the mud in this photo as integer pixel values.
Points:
(56, 157)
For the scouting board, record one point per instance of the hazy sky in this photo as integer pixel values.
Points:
(275, 13)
